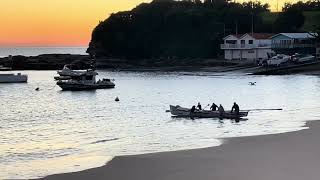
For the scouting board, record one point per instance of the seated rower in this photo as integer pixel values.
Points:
(214, 107)
(221, 110)
(235, 108)
(199, 106)
(193, 109)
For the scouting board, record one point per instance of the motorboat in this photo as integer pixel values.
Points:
(179, 111)
(68, 71)
(278, 60)
(13, 78)
(302, 58)
(82, 80)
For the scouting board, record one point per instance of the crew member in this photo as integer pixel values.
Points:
(221, 110)
(235, 108)
(199, 106)
(193, 109)
(214, 107)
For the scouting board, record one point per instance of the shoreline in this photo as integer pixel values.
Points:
(57, 62)
(291, 155)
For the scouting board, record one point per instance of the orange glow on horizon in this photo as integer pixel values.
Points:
(54, 22)
(57, 22)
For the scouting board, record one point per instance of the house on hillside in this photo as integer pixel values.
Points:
(290, 43)
(249, 46)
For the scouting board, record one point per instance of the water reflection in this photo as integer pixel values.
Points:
(50, 131)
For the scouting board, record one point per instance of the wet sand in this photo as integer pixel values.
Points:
(288, 156)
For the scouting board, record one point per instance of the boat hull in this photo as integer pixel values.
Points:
(186, 112)
(81, 87)
(12, 78)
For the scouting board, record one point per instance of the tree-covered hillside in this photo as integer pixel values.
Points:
(176, 29)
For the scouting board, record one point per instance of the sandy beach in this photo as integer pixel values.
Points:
(288, 156)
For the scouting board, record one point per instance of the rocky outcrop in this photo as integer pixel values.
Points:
(45, 61)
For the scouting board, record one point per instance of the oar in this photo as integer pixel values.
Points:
(206, 107)
(279, 109)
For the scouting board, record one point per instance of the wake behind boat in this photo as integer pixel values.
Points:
(179, 111)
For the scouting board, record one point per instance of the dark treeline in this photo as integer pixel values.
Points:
(303, 6)
(177, 29)
(291, 18)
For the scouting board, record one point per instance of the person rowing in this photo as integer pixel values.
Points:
(214, 107)
(199, 106)
(235, 108)
(221, 110)
(193, 109)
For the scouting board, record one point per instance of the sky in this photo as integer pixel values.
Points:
(56, 22)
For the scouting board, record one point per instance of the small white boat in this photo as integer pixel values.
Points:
(302, 58)
(67, 71)
(278, 60)
(13, 78)
(2, 68)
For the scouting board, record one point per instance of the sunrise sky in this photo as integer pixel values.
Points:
(57, 22)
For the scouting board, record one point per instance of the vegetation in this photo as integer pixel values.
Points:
(168, 29)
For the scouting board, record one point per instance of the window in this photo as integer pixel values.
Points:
(243, 41)
(250, 41)
(250, 52)
(231, 41)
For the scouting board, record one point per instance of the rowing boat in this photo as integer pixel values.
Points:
(179, 111)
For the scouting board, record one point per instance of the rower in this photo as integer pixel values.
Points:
(199, 106)
(221, 110)
(214, 107)
(193, 109)
(236, 108)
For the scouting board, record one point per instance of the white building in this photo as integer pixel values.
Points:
(247, 46)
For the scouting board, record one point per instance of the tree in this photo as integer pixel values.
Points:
(289, 21)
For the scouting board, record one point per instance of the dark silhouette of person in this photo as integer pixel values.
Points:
(214, 107)
(221, 111)
(199, 106)
(193, 109)
(235, 108)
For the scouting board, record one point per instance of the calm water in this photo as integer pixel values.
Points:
(34, 51)
(49, 131)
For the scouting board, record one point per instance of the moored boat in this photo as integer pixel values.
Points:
(81, 80)
(83, 85)
(186, 112)
(13, 78)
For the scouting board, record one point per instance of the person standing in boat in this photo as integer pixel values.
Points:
(221, 110)
(235, 108)
(199, 106)
(214, 107)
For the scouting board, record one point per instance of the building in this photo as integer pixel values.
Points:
(249, 46)
(290, 43)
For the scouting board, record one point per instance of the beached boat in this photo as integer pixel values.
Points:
(302, 58)
(278, 60)
(13, 78)
(186, 112)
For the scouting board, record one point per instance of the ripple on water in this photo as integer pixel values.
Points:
(53, 131)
